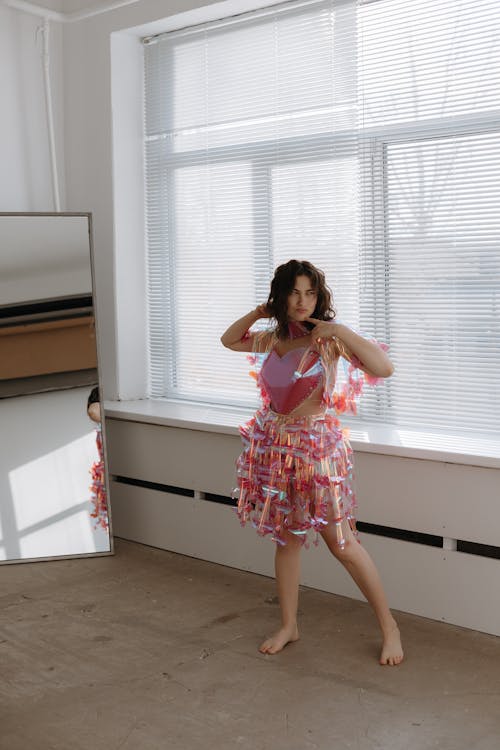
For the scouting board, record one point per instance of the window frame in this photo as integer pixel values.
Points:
(375, 198)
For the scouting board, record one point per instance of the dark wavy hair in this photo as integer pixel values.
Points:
(93, 396)
(283, 284)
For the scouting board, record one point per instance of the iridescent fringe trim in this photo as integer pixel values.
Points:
(98, 488)
(295, 474)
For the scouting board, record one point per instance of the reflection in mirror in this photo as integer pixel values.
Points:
(53, 488)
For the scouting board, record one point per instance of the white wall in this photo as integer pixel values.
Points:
(44, 257)
(89, 179)
(25, 178)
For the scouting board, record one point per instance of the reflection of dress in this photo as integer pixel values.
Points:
(295, 473)
(98, 486)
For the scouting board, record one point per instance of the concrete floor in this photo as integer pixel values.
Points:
(149, 650)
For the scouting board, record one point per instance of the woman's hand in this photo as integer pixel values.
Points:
(323, 329)
(237, 336)
(371, 357)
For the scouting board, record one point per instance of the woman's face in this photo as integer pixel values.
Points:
(301, 300)
(94, 411)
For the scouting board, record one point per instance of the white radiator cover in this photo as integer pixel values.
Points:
(448, 500)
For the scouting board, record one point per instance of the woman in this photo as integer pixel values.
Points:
(295, 472)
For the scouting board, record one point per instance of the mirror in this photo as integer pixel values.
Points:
(53, 483)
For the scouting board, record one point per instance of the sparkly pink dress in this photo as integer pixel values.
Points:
(296, 473)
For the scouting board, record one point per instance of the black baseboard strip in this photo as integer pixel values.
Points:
(484, 550)
(220, 499)
(154, 486)
(417, 537)
(59, 304)
(403, 534)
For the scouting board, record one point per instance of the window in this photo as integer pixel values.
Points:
(430, 101)
(363, 137)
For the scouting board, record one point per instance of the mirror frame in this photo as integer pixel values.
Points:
(111, 551)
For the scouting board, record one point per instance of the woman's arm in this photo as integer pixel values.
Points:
(373, 359)
(233, 337)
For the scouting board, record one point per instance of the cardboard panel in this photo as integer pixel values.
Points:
(50, 347)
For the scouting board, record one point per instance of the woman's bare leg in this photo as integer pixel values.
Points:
(361, 567)
(287, 567)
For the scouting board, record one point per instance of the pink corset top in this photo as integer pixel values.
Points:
(289, 380)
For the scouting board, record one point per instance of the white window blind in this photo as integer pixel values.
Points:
(258, 129)
(251, 152)
(429, 78)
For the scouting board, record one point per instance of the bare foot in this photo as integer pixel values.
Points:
(392, 650)
(279, 640)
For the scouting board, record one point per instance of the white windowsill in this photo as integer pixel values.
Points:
(472, 449)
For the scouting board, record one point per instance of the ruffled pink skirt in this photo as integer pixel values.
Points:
(295, 475)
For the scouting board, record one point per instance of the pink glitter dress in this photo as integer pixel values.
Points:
(295, 473)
